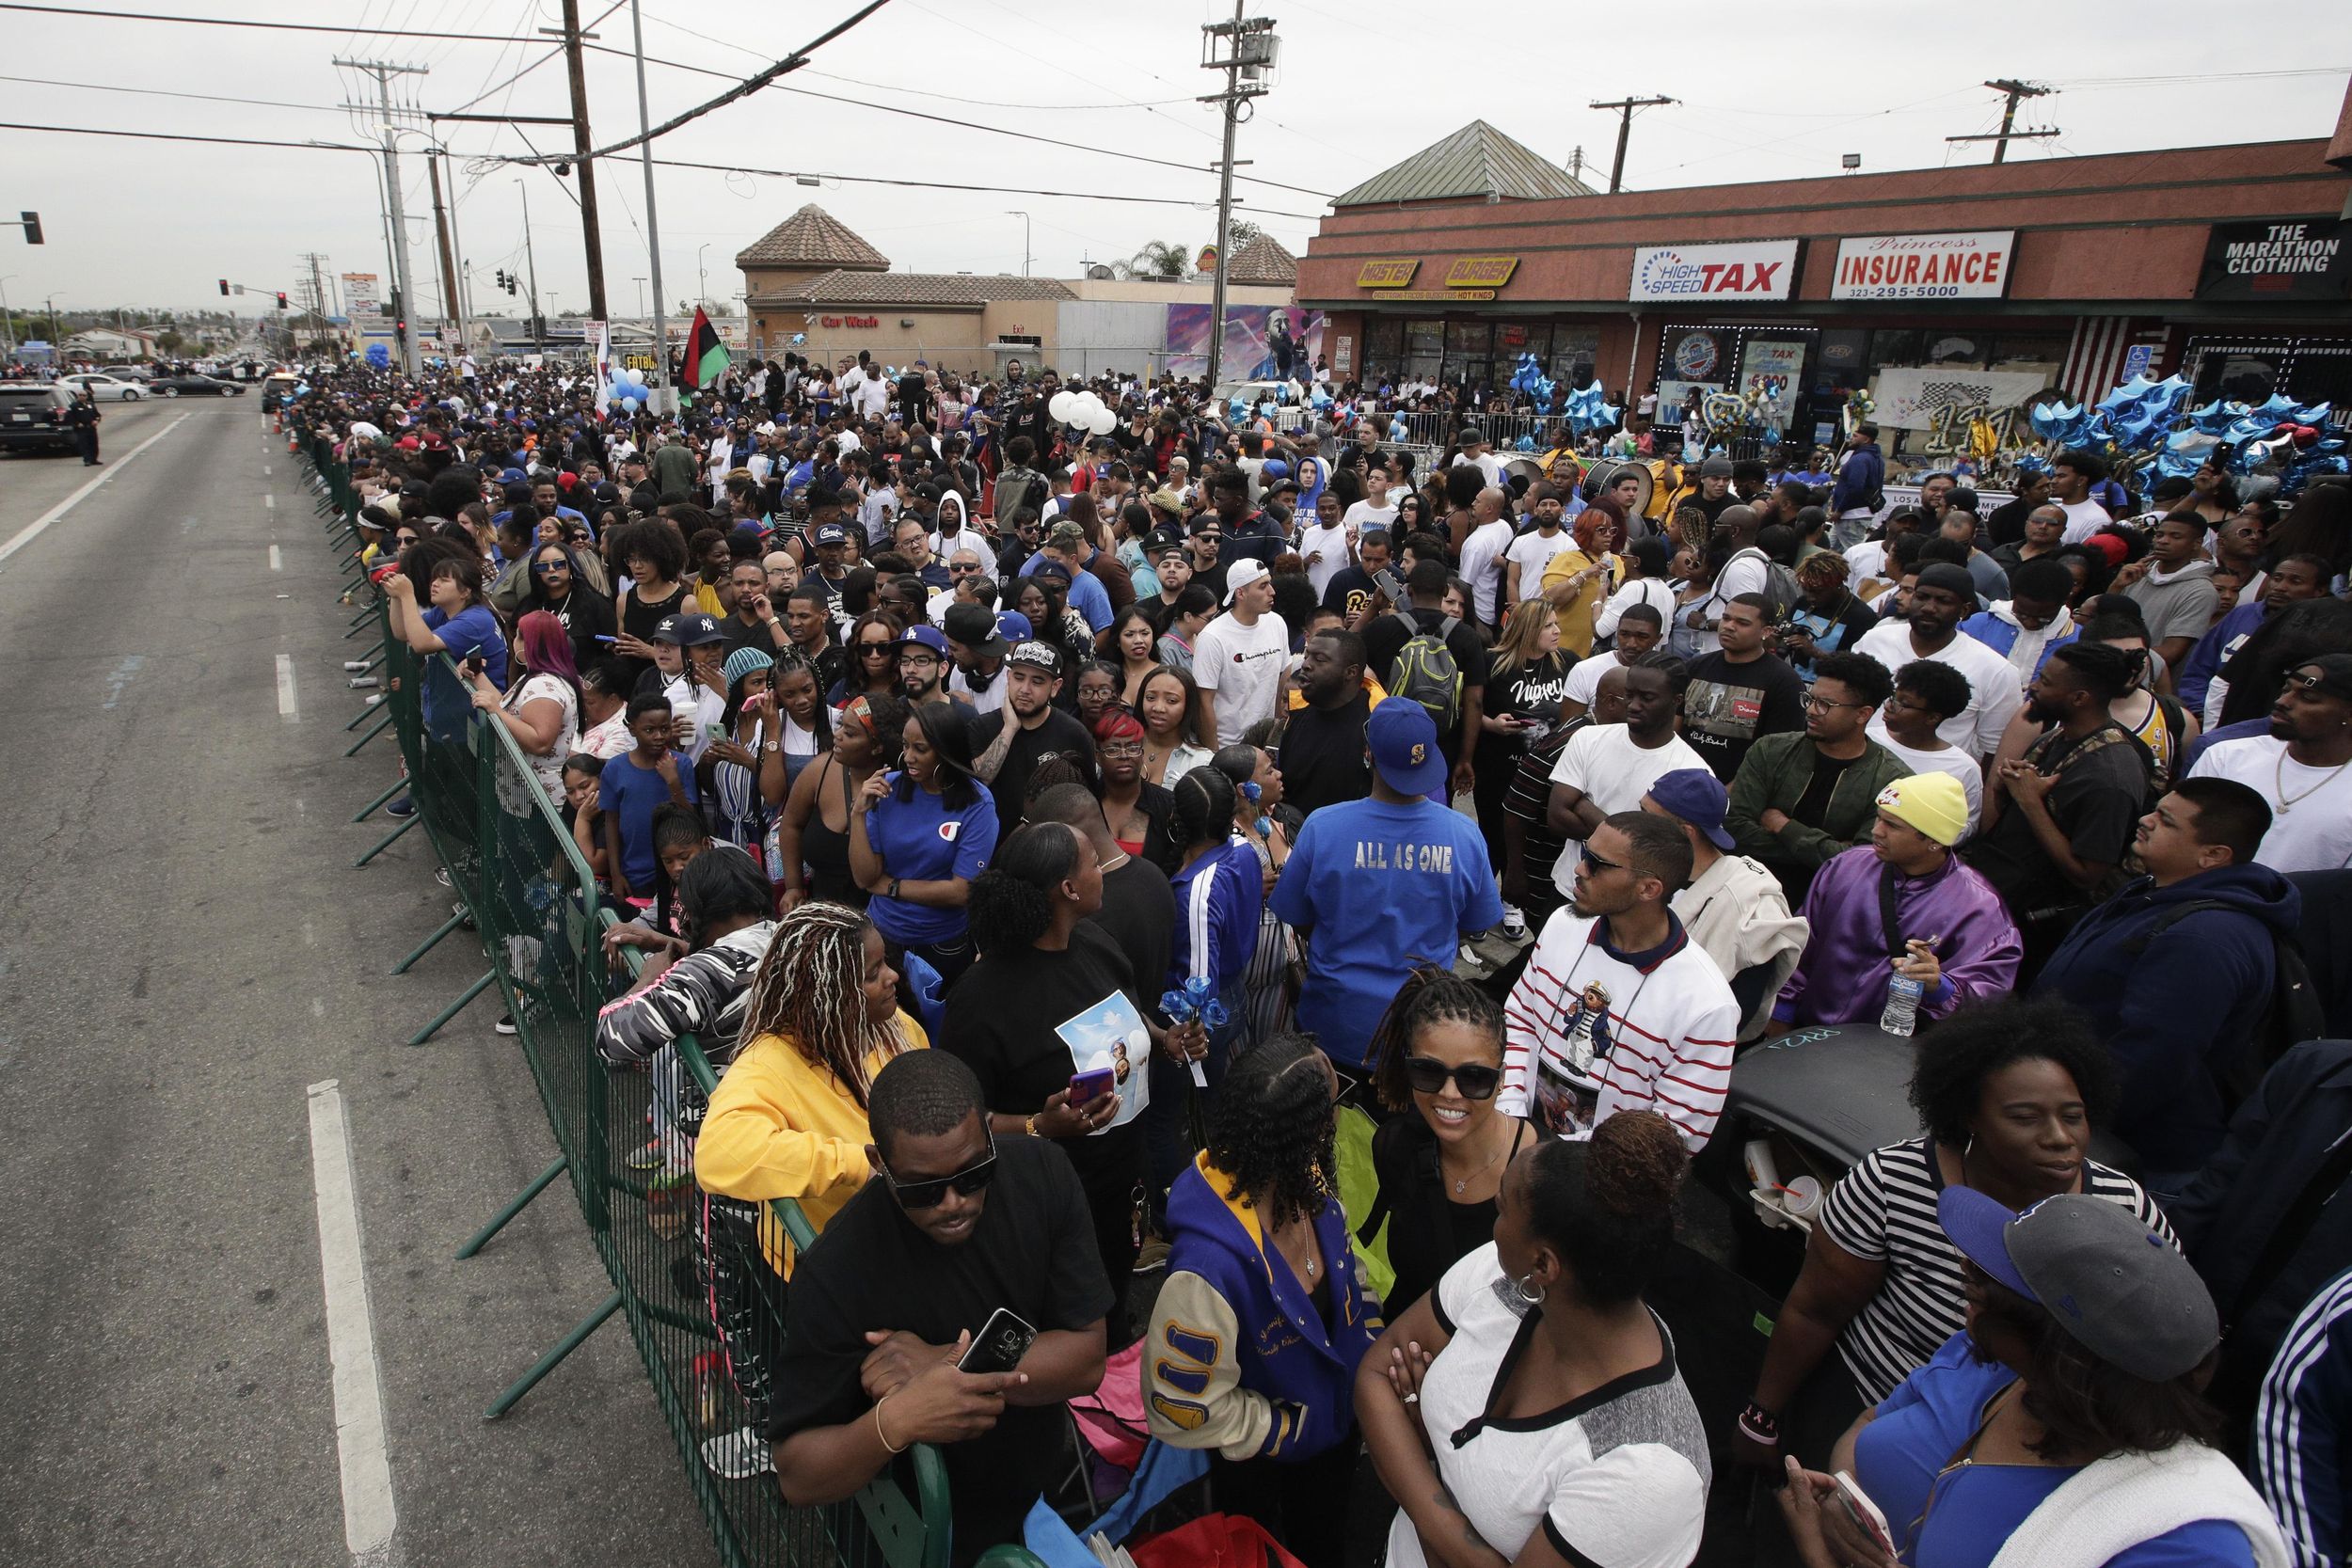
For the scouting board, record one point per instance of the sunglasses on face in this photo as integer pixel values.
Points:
(931, 1194)
(1428, 1075)
(874, 649)
(1594, 864)
(544, 567)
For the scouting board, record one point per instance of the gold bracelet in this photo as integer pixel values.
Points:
(878, 1426)
(1031, 1126)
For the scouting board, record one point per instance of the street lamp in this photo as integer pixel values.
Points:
(8, 320)
(56, 336)
(702, 277)
(641, 295)
(1025, 238)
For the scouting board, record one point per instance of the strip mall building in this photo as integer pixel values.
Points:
(1930, 287)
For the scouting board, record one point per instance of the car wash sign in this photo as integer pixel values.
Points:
(2307, 259)
(1760, 269)
(1925, 266)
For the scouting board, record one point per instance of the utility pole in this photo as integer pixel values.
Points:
(459, 294)
(450, 310)
(1576, 163)
(384, 72)
(589, 233)
(2016, 92)
(661, 399)
(1244, 49)
(1625, 107)
(530, 259)
(318, 297)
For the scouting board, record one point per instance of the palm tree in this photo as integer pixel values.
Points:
(1160, 259)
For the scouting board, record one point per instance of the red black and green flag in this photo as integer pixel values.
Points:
(706, 357)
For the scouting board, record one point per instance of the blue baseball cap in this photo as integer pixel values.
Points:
(924, 637)
(1404, 742)
(1696, 797)
(831, 534)
(1013, 626)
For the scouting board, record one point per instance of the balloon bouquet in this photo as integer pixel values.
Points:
(1084, 411)
(1584, 413)
(2148, 425)
(628, 389)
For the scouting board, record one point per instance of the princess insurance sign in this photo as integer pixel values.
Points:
(1924, 266)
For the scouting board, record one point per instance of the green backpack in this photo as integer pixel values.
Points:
(1425, 672)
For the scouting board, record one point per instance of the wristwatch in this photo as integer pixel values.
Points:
(894, 888)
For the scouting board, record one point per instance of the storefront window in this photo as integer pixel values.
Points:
(1467, 352)
(1425, 350)
(1574, 355)
(1384, 349)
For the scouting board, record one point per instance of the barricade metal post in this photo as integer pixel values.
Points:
(520, 1202)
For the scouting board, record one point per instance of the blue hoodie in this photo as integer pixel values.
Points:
(2177, 1011)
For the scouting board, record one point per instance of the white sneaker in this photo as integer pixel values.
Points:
(738, 1455)
(1513, 923)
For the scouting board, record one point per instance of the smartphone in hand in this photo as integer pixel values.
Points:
(1091, 1085)
(999, 1345)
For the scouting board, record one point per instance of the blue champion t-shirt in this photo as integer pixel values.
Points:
(471, 630)
(1381, 887)
(636, 793)
(920, 840)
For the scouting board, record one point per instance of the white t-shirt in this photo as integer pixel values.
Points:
(1951, 759)
(1332, 543)
(547, 765)
(2314, 832)
(1242, 667)
(1584, 682)
(1602, 761)
(1534, 552)
(2084, 518)
(1481, 567)
(1995, 695)
(1619, 1480)
(1363, 515)
(1486, 463)
(984, 698)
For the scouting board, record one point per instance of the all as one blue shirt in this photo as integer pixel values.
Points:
(1977, 1507)
(636, 793)
(471, 630)
(922, 841)
(1380, 887)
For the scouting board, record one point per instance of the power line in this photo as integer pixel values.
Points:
(163, 92)
(182, 135)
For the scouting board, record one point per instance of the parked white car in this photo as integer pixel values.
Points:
(104, 389)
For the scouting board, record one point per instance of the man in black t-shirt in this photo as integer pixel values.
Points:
(1351, 587)
(1739, 691)
(954, 1224)
(1324, 761)
(1008, 744)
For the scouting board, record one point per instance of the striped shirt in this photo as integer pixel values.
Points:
(2299, 1428)
(1883, 1211)
(1590, 1031)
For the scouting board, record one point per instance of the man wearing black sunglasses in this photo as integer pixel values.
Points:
(952, 1226)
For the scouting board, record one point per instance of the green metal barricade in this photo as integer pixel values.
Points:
(520, 883)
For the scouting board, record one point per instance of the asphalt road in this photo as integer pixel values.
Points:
(187, 951)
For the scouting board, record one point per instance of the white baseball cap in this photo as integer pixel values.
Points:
(1241, 575)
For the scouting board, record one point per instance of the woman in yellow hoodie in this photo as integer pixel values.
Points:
(788, 1121)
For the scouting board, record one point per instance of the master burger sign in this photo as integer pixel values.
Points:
(1760, 269)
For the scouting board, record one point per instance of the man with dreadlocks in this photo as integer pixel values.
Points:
(821, 1016)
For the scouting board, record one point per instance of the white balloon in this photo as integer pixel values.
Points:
(1063, 407)
(1102, 421)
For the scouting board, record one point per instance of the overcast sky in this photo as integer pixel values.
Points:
(1768, 92)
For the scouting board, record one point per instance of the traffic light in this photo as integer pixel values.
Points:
(281, 299)
(224, 288)
(32, 227)
(395, 307)
(400, 332)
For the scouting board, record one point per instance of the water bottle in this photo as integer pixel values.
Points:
(1902, 1006)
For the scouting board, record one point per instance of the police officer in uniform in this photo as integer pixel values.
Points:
(82, 419)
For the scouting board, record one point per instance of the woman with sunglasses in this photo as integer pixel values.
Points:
(560, 587)
(1437, 1051)
(871, 668)
(1529, 1409)
(920, 835)
(1257, 1236)
(1136, 809)
(653, 555)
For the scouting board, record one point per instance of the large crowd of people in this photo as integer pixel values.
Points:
(1060, 840)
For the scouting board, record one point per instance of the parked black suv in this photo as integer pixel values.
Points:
(32, 418)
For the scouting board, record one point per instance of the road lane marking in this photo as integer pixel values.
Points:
(289, 705)
(124, 673)
(367, 1472)
(269, 504)
(277, 561)
(40, 524)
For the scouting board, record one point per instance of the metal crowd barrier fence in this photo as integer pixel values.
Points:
(692, 1278)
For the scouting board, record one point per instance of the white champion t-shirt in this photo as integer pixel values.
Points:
(1242, 667)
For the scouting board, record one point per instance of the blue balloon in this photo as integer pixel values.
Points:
(632, 404)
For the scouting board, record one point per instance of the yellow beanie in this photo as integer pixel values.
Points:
(1933, 802)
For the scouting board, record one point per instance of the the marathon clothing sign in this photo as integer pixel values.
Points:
(1758, 269)
(1924, 266)
(2306, 259)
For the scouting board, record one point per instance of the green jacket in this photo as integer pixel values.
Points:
(1774, 775)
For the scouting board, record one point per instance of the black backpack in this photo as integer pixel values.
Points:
(2291, 1014)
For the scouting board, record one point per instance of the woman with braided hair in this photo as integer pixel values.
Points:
(1220, 895)
(1438, 1054)
(1256, 1237)
(1528, 1409)
(788, 1120)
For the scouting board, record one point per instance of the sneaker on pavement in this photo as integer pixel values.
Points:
(738, 1455)
(506, 1024)
(405, 806)
(1513, 923)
